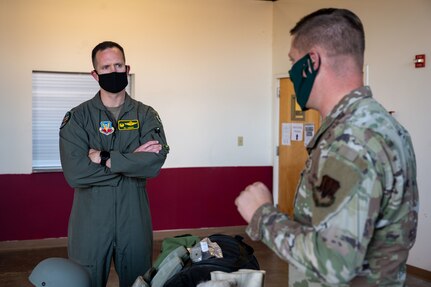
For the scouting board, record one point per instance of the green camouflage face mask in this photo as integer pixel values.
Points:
(303, 75)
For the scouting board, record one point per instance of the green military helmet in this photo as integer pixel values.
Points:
(59, 272)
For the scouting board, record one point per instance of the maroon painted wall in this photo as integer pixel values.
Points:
(37, 206)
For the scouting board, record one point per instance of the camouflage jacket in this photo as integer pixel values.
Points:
(356, 205)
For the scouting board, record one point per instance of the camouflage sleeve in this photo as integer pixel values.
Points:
(338, 201)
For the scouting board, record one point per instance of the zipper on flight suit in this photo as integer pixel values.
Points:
(111, 147)
(115, 193)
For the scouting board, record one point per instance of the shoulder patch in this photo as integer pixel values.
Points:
(324, 195)
(338, 181)
(158, 118)
(65, 119)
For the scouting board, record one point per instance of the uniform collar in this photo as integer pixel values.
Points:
(97, 102)
(340, 110)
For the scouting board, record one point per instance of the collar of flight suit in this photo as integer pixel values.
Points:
(128, 103)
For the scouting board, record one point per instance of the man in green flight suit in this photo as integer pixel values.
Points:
(356, 204)
(109, 146)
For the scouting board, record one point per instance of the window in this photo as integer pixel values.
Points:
(53, 95)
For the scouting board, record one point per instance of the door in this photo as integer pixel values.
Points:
(296, 128)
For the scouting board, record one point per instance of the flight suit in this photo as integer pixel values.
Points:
(356, 204)
(110, 216)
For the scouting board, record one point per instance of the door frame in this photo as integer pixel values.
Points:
(276, 136)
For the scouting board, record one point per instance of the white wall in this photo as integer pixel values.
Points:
(395, 32)
(205, 66)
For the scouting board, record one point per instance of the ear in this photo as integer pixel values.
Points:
(127, 69)
(95, 75)
(315, 59)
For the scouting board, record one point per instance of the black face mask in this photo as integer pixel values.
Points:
(113, 82)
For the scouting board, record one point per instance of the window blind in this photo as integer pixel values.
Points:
(53, 94)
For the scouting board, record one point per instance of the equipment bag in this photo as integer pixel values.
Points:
(171, 265)
(236, 255)
(171, 243)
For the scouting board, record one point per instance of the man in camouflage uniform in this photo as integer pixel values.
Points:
(356, 204)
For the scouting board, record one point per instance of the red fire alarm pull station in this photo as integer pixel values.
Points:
(420, 61)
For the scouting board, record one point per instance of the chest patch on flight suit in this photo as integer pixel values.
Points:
(106, 128)
(128, 125)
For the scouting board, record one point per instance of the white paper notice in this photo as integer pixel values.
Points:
(297, 130)
(285, 133)
(308, 133)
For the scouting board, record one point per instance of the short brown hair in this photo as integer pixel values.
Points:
(103, 46)
(338, 31)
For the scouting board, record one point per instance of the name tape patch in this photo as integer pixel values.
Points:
(128, 125)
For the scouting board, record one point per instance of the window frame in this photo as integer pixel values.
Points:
(53, 95)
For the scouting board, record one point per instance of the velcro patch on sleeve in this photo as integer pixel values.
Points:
(338, 181)
(66, 119)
